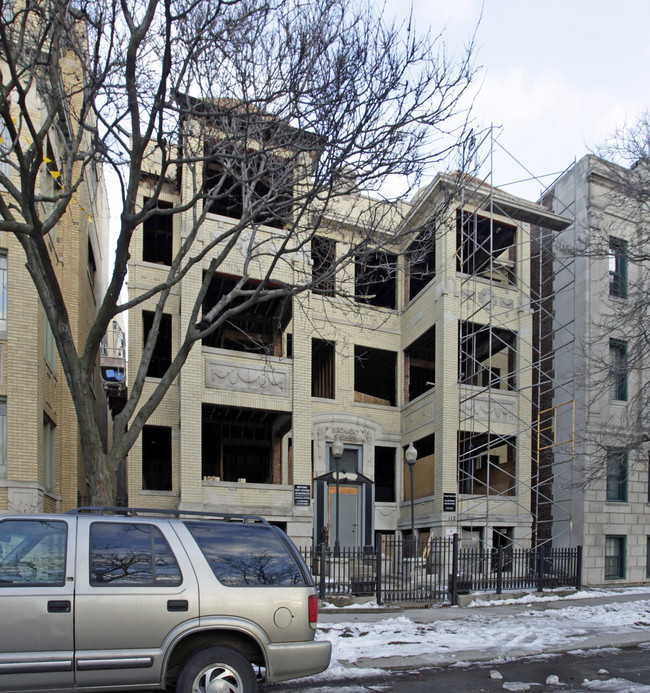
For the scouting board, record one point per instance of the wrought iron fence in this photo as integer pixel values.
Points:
(437, 570)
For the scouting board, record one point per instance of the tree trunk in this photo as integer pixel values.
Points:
(101, 479)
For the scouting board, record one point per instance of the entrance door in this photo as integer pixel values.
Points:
(348, 513)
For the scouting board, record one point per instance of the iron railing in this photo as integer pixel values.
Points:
(437, 570)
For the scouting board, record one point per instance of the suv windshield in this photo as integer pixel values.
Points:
(246, 555)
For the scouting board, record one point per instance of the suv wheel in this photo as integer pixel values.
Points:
(217, 670)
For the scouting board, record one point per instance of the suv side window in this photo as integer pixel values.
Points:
(246, 555)
(32, 553)
(131, 554)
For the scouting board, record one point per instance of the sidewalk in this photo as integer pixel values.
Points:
(405, 638)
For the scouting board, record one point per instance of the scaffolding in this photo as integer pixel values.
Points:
(510, 424)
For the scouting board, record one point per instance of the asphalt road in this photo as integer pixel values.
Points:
(631, 664)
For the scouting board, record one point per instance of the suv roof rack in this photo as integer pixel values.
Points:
(161, 512)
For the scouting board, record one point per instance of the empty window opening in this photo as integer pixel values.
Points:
(157, 235)
(617, 267)
(486, 464)
(256, 187)
(375, 375)
(322, 368)
(375, 279)
(242, 444)
(420, 365)
(423, 471)
(384, 474)
(162, 352)
(323, 259)
(156, 458)
(487, 356)
(256, 329)
(421, 262)
(486, 247)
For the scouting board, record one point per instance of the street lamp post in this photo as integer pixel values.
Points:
(337, 453)
(411, 457)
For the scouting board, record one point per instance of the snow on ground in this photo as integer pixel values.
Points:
(527, 631)
(531, 597)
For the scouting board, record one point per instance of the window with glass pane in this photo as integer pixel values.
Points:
(48, 455)
(3, 294)
(131, 555)
(3, 438)
(617, 267)
(49, 345)
(614, 557)
(32, 553)
(246, 555)
(616, 475)
(618, 369)
(647, 558)
(5, 145)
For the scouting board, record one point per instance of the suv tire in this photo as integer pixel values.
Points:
(217, 670)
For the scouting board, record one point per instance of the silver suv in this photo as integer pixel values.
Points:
(117, 599)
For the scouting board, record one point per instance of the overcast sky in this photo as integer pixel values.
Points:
(556, 76)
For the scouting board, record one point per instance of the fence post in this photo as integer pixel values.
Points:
(321, 586)
(579, 567)
(540, 568)
(500, 570)
(378, 545)
(454, 572)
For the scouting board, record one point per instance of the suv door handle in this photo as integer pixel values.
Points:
(177, 605)
(58, 607)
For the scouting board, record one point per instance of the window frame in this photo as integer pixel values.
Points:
(4, 467)
(616, 481)
(618, 370)
(618, 267)
(49, 454)
(61, 535)
(4, 276)
(620, 556)
(154, 533)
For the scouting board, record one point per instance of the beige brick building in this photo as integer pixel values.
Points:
(41, 468)
(434, 351)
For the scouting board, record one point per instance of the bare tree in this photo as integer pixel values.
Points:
(269, 111)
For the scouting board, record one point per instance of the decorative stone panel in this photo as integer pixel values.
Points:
(262, 379)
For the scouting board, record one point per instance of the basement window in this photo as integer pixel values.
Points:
(156, 458)
(322, 369)
(374, 279)
(161, 358)
(485, 247)
(375, 374)
(157, 235)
